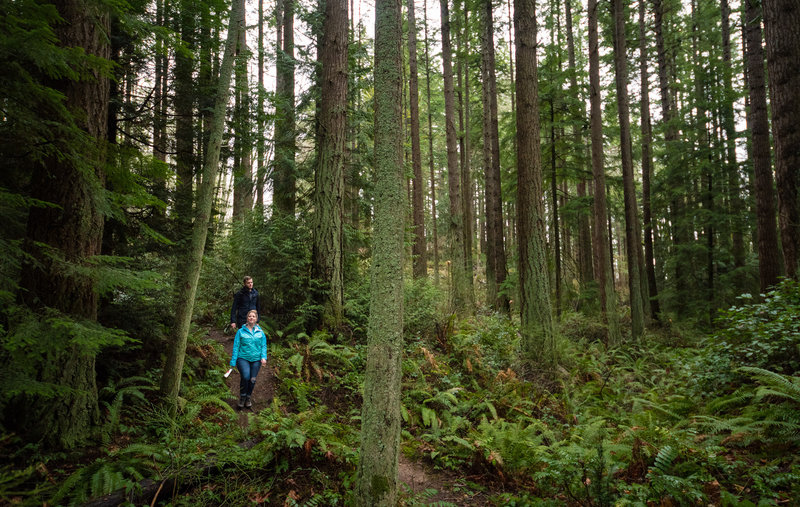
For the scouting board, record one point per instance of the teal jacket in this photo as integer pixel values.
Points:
(249, 345)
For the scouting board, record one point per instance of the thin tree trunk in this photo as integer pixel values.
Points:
(184, 121)
(260, 115)
(284, 176)
(554, 195)
(629, 186)
(647, 168)
(671, 138)
(536, 321)
(584, 231)
(377, 483)
(420, 260)
(189, 265)
(496, 270)
(463, 146)
(602, 260)
(461, 299)
(329, 175)
(731, 165)
(758, 125)
(430, 152)
(782, 36)
(242, 168)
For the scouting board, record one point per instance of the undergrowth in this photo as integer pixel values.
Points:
(689, 421)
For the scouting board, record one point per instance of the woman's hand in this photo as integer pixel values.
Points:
(263, 362)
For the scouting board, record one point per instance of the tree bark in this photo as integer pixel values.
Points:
(602, 260)
(647, 168)
(671, 139)
(496, 270)
(183, 104)
(461, 297)
(430, 152)
(629, 186)
(584, 232)
(377, 483)
(284, 179)
(536, 320)
(782, 36)
(758, 125)
(242, 141)
(189, 265)
(72, 231)
(329, 174)
(420, 260)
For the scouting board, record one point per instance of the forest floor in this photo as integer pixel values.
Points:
(417, 480)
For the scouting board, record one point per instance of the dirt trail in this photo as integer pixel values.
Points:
(416, 477)
(265, 386)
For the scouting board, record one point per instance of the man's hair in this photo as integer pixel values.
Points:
(246, 278)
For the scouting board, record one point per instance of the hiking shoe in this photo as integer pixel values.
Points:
(248, 402)
(241, 402)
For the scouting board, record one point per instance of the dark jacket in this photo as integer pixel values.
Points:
(244, 301)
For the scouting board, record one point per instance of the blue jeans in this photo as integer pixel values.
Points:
(248, 371)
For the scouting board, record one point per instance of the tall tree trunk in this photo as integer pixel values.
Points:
(496, 270)
(782, 36)
(554, 196)
(584, 232)
(261, 170)
(647, 168)
(731, 165)
(463, 148)
(602, 258)
(190, 263)
(704, 160)
(536, 320)
(329, 174)
(184, 119)
(629, 186)
(72, 231)
(461, 297)
(671, 139)
(377, 483)
(284, 175)
(242, 143)
(758, 125)
(430, 152)
(420, 259)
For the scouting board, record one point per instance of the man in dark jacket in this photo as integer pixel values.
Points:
(244, 300)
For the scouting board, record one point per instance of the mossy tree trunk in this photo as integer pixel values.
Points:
(329, 174)
(538, 338)
(380, 420)
(189, 264)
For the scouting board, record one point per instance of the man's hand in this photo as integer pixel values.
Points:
(233, 326)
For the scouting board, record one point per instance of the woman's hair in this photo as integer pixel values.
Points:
(252, 311)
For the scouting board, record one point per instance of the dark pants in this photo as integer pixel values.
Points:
(248, 371)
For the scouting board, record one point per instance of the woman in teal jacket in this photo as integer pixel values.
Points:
(249, 355)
